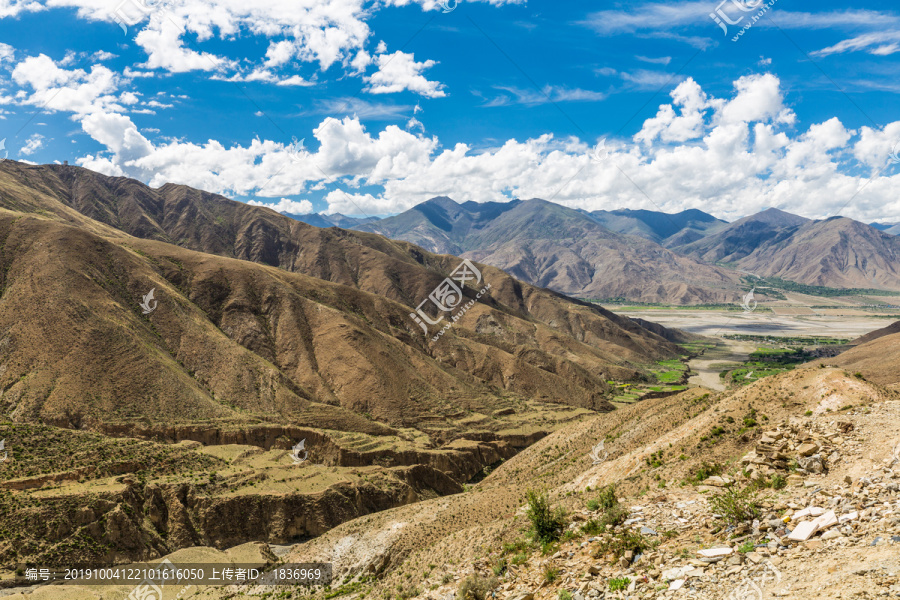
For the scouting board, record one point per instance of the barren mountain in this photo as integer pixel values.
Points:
(743, 237)
(560, 248)
(333, 220)
(663, 228)
(838, 252)
(783, 488)
(876, 354)
(440, 224)
(324, 338)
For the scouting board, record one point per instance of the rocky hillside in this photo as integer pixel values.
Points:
(786, 487)
(312, 327)
(562, 249)
(876, 354)
(667, 229)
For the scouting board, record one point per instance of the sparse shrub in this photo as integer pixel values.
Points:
(707, 470)
(808, 413)
(546, 523)
(778, 482)
(621, 542)
(551, 574)
(607, 498)
(735, 505)
(593, 505)
(564, 595)
(619, 584)
(746, 547)
(499, 567)
(476, 587)
(519, 559)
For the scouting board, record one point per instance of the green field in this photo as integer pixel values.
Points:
(765, 362)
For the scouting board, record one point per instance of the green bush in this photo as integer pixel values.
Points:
(476, 587)
(546, 523)
(621, 542)
(593, 505)
(551, 574)
(619, 584)
(564, 595)
(499, 567)
(778, 482)
(735, 505)
(607, 498)
(707, 470)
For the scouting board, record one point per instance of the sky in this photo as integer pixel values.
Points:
(369, 108)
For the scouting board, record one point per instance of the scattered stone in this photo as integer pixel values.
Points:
(802, 532)
(713, 552)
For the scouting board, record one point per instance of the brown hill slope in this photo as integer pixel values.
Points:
(211, 223)
(234, 338)
(876, 356)
(560, 248)
(837, 252)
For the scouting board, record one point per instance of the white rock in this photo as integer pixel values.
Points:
(803, 531)
(713, 552)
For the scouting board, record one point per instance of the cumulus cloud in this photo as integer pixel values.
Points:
(730, 156)
(286, 205)
(76, 91)
(32, 144)
(400, 71)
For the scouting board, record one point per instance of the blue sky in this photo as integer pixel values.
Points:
(397, 101)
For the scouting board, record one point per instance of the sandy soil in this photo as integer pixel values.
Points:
(717, 323)
(708, 364)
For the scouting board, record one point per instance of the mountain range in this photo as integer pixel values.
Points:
(255, 314)
(645, 256)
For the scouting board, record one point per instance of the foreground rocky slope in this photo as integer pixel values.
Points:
(803, 444)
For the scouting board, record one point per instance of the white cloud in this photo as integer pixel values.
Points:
(12, 8)
(547, 94)
(75, 91)
(730, 156)
(6, 52)
(286, 205)
(32, 144)
(295, 80)
(400, 71)
(879, 43)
